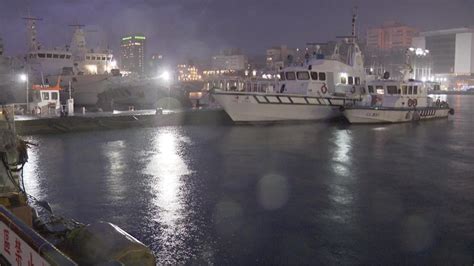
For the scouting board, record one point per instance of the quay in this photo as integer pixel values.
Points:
(26, 125)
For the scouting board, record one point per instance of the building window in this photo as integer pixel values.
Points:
(351, 80)
(410, 90)
(322, 76)
(54, 95)
(314, 75)
(88, 58)
(303, 75)
(404, 90)
(290, 75)
(415, 90)
(357, 81)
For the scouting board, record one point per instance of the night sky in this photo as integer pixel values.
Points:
(197, 28)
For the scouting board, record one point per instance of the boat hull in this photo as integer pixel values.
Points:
(360, 115)
(262, 107)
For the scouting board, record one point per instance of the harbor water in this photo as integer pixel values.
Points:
(313, 193)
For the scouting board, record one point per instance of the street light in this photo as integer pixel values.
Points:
(24, 78)
(166, 77)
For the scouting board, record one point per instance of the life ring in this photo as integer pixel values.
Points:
(353, 89)
(324, 89)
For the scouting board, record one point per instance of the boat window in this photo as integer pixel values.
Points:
(103, 58)
(290, 75)
(54, 95)
(371, 89)
(41, 55)
(415, 90)
(55, 56)
(404, 89)
(322, 76)
(93, 58)
(343, 80)
(68, 57)
(302, 75)
(357, 81)
(282, 75)
(49, 55)
(314, 75)
(45, 95)
(410, 90)
(379, 89)
(392, 90)
(351, 80)
(62, 56)
(88, 58)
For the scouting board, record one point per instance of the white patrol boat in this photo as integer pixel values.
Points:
(312, 91)
(391, 101)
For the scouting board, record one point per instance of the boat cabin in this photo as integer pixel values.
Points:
(46, 100)
(392, 93)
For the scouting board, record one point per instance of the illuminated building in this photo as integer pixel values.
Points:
(278, 56)
(188, 73)
(231, 59)
(133, 53)
(390, 35)
(452, 50)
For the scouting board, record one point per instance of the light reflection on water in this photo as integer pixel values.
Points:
(167, 169)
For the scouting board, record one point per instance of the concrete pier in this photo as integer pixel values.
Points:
(104, 121)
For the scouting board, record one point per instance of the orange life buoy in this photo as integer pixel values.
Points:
(324, 89)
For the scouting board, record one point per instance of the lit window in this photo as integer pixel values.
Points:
(379, 89)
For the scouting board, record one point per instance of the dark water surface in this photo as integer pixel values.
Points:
(283, 194)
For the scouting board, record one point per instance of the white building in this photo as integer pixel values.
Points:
(451, 50)
(232, 60)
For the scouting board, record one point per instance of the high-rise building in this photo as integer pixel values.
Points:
(451, 50)
(391, 35)
(133, 53)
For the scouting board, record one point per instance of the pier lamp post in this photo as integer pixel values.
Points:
(24, 78)
(166, 77)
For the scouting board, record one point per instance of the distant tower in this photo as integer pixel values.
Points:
(33, 44)
(133, 53)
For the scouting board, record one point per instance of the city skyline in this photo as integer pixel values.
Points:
(200, 28)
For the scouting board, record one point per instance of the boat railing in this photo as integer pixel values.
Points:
(23, 246)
